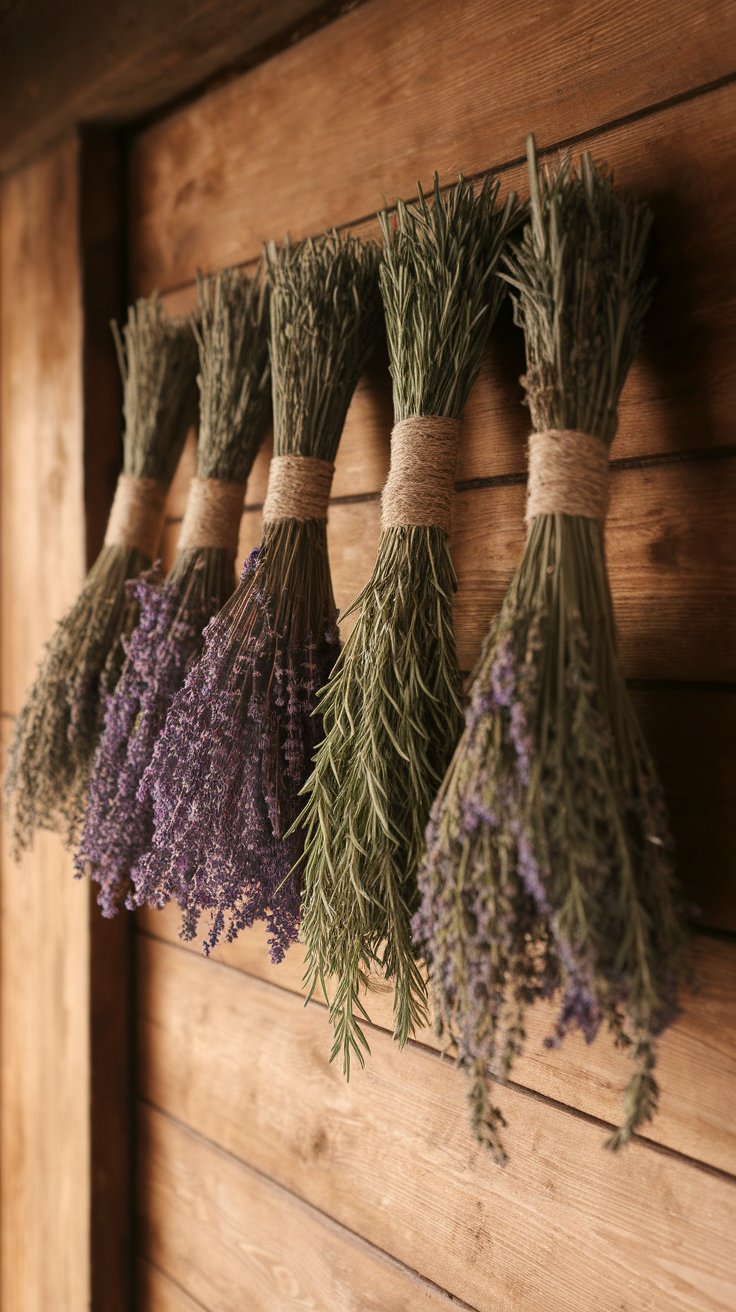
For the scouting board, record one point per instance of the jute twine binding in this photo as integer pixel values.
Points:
(137, 515)
(212, 515)
(298, 488)
(420, 487)
(568, 475)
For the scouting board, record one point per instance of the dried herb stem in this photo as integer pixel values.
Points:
(57, 730)
(548, 866)
(235, 751)
(392, 709)
(231, 329)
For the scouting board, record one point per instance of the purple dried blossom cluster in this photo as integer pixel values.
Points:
(547, 869)
(118, 825)
(226, 772)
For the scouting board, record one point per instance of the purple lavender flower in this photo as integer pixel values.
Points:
(118, 827)
(227, 770)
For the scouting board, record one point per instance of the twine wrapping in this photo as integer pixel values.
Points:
(212, 516)
(568, 475)
(298, 488)
(137, 515)
(420, 487)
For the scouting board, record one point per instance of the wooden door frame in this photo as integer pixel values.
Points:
(118, 75)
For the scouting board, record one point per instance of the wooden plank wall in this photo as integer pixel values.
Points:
(44, 976)
(64, 973)
(265, 1181)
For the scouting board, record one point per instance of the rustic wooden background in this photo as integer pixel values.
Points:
(264, 1182)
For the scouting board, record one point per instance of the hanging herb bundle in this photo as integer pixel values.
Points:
(58, 728)
(549, 863)
(392, 709)
(232, 336)
(235, 752)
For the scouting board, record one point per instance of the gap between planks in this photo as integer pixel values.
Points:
(498, 170)
(535, 1095)
(317, 1213)
(518, 479)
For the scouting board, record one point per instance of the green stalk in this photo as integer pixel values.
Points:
(549, 861)
(58, 727)
(392, 709)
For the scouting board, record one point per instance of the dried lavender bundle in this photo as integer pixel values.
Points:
(549, 864)
(234, 378)
(227, 770)
(392, 709)
(57, 730)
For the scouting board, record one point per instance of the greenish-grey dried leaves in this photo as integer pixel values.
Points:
(58, 727)
(392, 710)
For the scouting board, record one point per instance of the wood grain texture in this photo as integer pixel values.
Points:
(669, 537)
(319, 136)
(680, 395)
(696, 1064)
(44, 968)
(116, 63)
(344, 119)
(669, 626)
(236, 1241)
(158, 1293)
(390, 1157)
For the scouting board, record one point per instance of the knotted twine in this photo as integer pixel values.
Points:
(212, 516)
(419, 490)
(137, 515)
(298, 488)
(568, 475)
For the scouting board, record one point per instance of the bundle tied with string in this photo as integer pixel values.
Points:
(235, 751)
(548, 869)
(392, 709)
(234, 377)
(58, 728)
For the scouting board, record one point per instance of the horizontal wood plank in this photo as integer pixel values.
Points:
(390, 1157)
(672, 567)
(681, 393)
(45, 1176)
(157, 1293)
(696, 1062)
(117, 63)
(690, 730)
(235, 1241)
(320, 135)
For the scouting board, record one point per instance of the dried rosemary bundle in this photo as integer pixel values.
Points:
(232, 336)
(549, 862)
(58, 728)
(227, 770)
(392, 709)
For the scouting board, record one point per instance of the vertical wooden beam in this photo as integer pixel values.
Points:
(102, 250)
(64, 1150)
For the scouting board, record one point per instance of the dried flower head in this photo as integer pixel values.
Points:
(227, 770)
(234, 377)
(57, 730)
(548, 867)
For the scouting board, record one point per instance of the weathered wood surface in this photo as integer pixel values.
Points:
(44, 970)
(318, 136)
(237, 1241)
(681, 392)
(389, 1156)
(162, 1294)
(696, 1063)
(114, 63)
(291, 147)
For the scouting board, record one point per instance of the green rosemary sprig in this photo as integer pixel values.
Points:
(392, 709)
